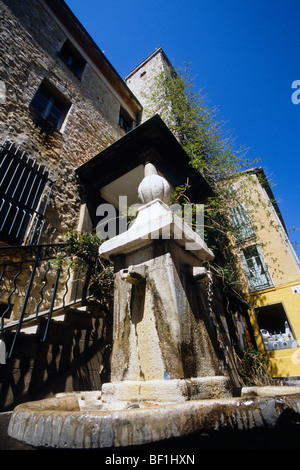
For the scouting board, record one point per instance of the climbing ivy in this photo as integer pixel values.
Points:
(211, 149)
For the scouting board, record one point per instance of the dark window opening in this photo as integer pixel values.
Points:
(25, 187)
(72, 58)
(125, 121)
(50, 105)
(274, 327)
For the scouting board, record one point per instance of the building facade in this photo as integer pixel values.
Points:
(64, 102)
(61, 103)
(73, 136)
(142, 78)
(271, 272)
(269, 266)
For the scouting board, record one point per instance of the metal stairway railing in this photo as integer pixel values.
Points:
(34, 284)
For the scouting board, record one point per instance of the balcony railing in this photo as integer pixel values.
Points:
(34, 284)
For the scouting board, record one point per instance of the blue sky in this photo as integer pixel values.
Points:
(245, 55)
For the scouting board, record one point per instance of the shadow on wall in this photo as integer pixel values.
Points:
(74, 357)
(292, 362)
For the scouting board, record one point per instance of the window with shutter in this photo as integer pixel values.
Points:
(50, 105)
(25, 187)
(256, 270)
(241, 222)
(72, 58)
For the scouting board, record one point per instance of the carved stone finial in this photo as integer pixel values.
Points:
(153, 186)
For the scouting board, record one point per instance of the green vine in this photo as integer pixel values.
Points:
(81, 253)
(212, 152)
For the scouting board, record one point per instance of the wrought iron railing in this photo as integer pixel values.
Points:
(33, 284)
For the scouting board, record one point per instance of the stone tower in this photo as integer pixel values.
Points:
(142, 77)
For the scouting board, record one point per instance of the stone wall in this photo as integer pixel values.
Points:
(31, 38)
(29, 46)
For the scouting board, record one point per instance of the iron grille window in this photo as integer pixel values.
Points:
(50, 105)
(241, 223)
(72, 58)
(25, 187)
(256, 270)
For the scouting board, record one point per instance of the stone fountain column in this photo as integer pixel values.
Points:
(163, 347)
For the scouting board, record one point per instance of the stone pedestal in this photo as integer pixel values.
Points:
(165, 391)
(163, 346)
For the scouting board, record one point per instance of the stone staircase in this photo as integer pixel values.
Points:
(72, 356)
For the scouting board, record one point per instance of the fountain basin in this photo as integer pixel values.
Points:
(64, 422)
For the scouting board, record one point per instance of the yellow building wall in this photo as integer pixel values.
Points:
(281, 362)
(283, 267)
(273, 242)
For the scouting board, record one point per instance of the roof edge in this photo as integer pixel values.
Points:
(153, 54)
(64, 14)
(267, 187)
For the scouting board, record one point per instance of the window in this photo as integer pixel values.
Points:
(25, 187)
(72, 58)
(256, 270)
(274, 327)
(241, 223)
(50, 105)
(125, 121)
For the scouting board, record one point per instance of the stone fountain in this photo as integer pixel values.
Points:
(166, 377)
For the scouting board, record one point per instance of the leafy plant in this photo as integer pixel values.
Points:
(188, 115)
(81, 251)
(212, 152)
(253, 369)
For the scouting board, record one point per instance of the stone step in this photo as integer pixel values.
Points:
(65, 322)
(82, 317)
(32, 321)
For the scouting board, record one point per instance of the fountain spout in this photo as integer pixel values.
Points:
(134, 274)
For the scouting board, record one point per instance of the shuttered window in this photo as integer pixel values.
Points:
(25, 187)
(72, 58)
(256, 270)
(241, 223)
(50, 105)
